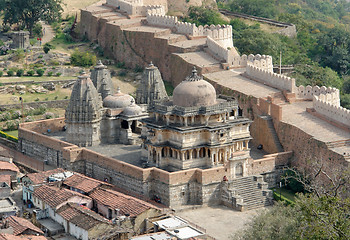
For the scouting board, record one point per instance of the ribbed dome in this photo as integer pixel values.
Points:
(132, 110)
(84, 104)
(118, 100)
(194, 92)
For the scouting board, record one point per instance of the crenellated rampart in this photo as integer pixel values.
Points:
(329, 106)
(278, 81)
(309, 92)
(135, 7)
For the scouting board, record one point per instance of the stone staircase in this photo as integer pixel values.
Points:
(273, 133)
(246, 193)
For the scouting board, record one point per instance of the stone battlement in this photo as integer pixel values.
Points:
(309, 92)
(135, 7)
(278, 81)
(328, 105)
(220, 33)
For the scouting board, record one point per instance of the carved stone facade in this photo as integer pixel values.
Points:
(152, 86)
(196, 130)
(83, 114)
(101, 78)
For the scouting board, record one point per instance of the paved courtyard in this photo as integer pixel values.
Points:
(220, 222)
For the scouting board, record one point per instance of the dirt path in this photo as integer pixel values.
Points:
(48, 33)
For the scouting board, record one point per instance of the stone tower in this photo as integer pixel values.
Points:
(101, 77)
(151, 87)
(83, 114)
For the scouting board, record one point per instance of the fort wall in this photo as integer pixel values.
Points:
(328, 105)
(271, 79)
(309, 92)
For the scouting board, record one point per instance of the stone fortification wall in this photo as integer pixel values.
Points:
(220, 33)
(49, 104)
(309, 92)
(137, 7)
(271, 79)
(329, 106)
(227, 54)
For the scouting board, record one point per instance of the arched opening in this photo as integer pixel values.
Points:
(154, 156)
(163, 152)
(171, 152)
(194, 153)
(133, 126)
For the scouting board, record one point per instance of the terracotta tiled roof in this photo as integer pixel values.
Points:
(6, 236)
(20, 225)
(116, 200)
(81, 216)
(6, 179)
(8, 166)
(83, 183)
(54, 196)
(41, 177)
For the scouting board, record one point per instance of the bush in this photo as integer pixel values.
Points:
(49, 115)
(122, 73)
(40, 56)
(10, 73)
(19, 72)
(50, 73)
(1, 73)
(12, 125)
(17, 114)
(47, 47)
(82, 59)
(38, 30)
(5, 116)
(40, 72)
(30, 73)
(58, 74)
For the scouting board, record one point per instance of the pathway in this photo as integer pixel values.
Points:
(49, 33)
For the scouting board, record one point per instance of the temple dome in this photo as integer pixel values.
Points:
(194, 92)
(132, 110)
(118, 100)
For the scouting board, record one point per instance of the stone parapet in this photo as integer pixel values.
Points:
(329, 106)
(271, 79)
(309, 92)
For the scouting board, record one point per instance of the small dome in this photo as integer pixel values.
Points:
(194, 92)
(118, 100)
(132, 110)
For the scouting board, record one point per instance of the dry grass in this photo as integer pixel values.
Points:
(73, 6)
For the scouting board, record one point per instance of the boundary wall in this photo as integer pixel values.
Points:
(270, 78)
(329, 106)
(309, 92)
(220, 33)
(135, 7)
(193, 186)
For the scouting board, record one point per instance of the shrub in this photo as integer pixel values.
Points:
(19, 72)
(1, 73)
(138, 69)
(17, 114)
(38, 30)
(50, 73)
(37, 100)
(47, 47)
(82, 59)
(18, 55)
(58, 74)
(48, 115)
(29, 119)
(122, 73)
(40, 72)
(5, 116)
(12, 125)
(40, 56)
(30, 73)
(120, 64)
(10, 73)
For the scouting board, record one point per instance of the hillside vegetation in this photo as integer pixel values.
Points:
(320, 51)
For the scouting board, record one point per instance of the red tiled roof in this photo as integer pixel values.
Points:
(6, 179)
(6, 236)
(54, 196)
(81, 216)
(8, 166)
(20, 225)
(83, 183)
(41, 177)
(116, 200)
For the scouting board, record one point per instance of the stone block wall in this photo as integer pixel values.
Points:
(324, 104)
(309, 92)
(272, 79)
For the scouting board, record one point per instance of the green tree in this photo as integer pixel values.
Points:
(310, 218)
(260, 8)
(204, 16)
(27, 13)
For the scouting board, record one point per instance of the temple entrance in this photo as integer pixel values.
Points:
(124, 124)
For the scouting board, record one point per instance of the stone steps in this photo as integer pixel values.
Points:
(273, 133)
(247, 189)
